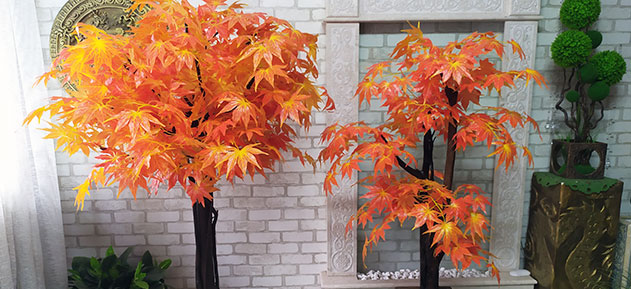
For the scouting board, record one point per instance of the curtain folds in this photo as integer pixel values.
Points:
(32, 250)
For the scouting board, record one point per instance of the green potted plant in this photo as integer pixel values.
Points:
(111, 272)
(574, 209)
(587, 78)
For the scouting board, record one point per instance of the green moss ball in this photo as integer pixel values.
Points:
(610, 65)
(571, 48)
(578, 14)
(598, 91)
(588, 73)
(596, 37)
(572, 96)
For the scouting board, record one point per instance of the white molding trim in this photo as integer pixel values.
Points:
(342, 77)
(430, 10)
(432, 18)
(342, 8)
(525, 7)
(509, 185)
(437, 9)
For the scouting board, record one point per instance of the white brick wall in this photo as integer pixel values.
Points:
(272, 232)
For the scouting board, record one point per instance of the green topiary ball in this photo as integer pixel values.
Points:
(598, 91)
(596, 37)
(572, 96)
(610, 66)
(571, 48)
(588, 73)
(578, 14)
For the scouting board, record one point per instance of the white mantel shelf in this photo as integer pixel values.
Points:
(434, 18)
(507, 282)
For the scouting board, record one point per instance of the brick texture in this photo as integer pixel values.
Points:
(272, 231)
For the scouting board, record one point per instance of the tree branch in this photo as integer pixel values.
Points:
(410, 170)
(602, 114)
(567, 85)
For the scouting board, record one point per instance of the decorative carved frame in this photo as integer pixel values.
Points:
(342, 76)
(109, 15)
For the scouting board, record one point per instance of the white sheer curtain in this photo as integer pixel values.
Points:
(32, 251)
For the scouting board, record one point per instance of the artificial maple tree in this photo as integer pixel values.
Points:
(190, 95)
(430, 95)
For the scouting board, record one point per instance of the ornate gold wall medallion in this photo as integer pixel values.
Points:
(109, 15)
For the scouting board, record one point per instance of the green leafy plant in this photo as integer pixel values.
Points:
(579, 14)
(587, 80)
(113, 272)
(610, 66)
(571, 48)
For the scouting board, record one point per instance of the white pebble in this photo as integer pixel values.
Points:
(414, 274)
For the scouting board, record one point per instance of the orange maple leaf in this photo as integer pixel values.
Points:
(446, 232)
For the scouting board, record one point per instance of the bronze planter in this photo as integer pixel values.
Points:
(572, 160)
(572, 231)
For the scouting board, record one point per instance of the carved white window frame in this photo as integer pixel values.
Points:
(342, 76)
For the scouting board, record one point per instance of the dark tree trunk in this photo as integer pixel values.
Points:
(450, 159)
(206, 271)
(430, 264)
(204, 218)
(428, 155)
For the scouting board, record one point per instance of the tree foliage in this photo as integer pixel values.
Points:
(432, 94)
(191, 95)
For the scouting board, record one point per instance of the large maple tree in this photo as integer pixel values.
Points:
(190, 95)
(433, 92)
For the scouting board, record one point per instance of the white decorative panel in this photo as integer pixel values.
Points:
(509, 186)
(430, 6)
(525, 7)
(428, 10)
(431, 10)
(342, 77)
(342, 8)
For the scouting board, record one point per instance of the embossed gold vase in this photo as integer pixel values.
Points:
(572, 231)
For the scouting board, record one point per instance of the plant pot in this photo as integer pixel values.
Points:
(572, 160)
(572, 231)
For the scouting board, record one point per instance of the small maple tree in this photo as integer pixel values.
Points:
(188, 96)
(429, 97)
